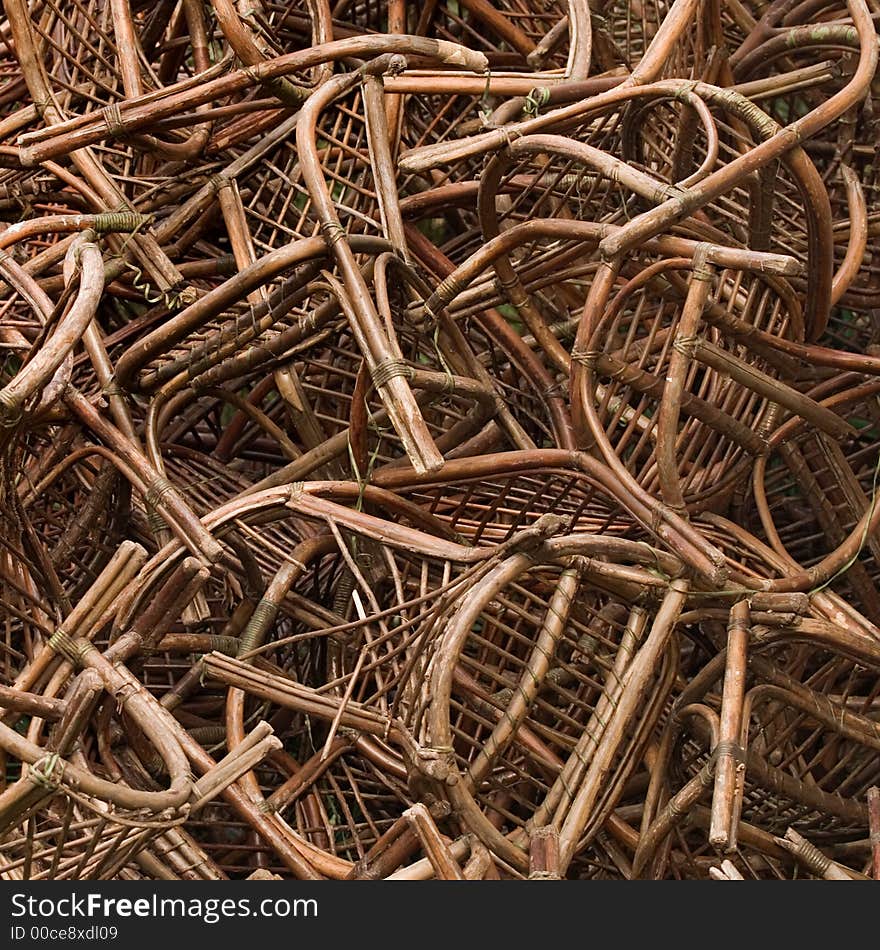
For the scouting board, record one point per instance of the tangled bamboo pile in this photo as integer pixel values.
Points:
(439, 440)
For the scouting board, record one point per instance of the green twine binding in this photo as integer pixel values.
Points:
(535, 101)
(40, 773)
